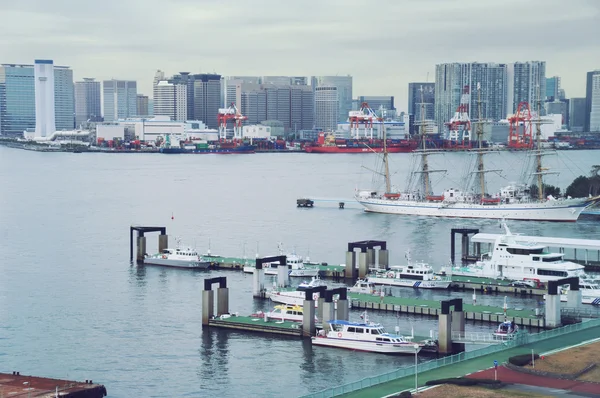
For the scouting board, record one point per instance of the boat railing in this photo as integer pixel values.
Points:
(522, 338)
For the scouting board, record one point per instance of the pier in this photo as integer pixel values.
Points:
(18, 385)
(163, 241)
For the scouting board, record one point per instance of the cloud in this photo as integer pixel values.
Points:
(384, 45)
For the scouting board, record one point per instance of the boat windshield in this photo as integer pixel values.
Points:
(554, 259)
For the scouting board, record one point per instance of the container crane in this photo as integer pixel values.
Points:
(520, 133)
(459, 127)
(226, 114)
(365, 116)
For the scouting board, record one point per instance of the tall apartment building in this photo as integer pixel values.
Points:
(577, 114)
(595, 104)
(343, 85)
(421, 98)
(17, 99)
(120, 99)
(326, 108)
(142, 105)
(88, 104)
(170, 100)
(207, 98)
(526, 83)
(589, 94)
(232, 88)
(64, 98)
(451, 80)
(552, 88)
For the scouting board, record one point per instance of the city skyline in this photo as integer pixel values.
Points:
(285, 39)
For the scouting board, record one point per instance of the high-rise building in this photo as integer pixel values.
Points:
(142, 105)
(17, 99)
(526, 83)
(64, 98)
(421, 97)
(88, 104)
(170, 100)
(120, 99)
(326, 108)
(552, 88)
(232, 87)
(207, 98)
(451, 81)
(343, 84)
(45, 117)
(183, 78)
(589, 92)
(558, 107)
(285, 80)
(577, 114)
(595, 104)
(378, 102)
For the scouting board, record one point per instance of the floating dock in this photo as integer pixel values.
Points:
(17, 385)
(521, 316)
(251, 324)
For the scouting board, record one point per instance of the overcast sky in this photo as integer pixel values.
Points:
(383, 44)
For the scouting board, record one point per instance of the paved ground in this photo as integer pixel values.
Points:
(510, 376)
(474, 365)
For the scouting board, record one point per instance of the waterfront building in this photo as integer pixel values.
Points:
(418, 103)
(559, 107)
(326, 108)
(451, 81)
(45, 117)
(64, 98)
(526, 83)
(88, 104)
(577, 114)
(595, 104)
(552, 88)
(589, 93)
(343, 85)
(142, 105)
(17, 99)
(207, 98)
(171, 100)
(120, 99)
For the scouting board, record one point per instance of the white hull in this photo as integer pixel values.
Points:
(177, 263)
(294, 299)
(511, 276)
(592, 300)
(309, 272)
(409, 283)
(551, 210)
(361, 345)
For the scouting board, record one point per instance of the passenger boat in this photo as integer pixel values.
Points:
(516, 260)
(367, 336)
(506, 328)
(296, 264)
(315, 281)
(297, 297)
(363, 286)
(418, 275)
(178, 258)
(286, 312)
(590, 291)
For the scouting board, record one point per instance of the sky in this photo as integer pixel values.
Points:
(384, 45)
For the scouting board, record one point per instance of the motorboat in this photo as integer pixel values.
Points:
(517, 260)
(297, 297)
(315, 281)
(294, 262)
(506, 329)
(364, 336)
(284, 312)
(362, 286)
(179, 257)
(417, 275)
(590, 291)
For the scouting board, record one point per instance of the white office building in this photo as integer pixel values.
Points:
(170, 100)
(45, 122)
(326, 108)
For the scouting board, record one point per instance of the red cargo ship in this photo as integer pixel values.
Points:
(330, 145)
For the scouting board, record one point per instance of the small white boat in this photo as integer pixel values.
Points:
(297, 297)
(178, 258)
(590, 292)
(296, 264)
(292, 313)
(367, 336)
(362, 286)
(315, 281)
(506, 329)
(417, 275)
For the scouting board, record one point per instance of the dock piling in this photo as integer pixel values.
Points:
(141, 240)
(349, 271)
(141, 248)
(308, 322)
(384, 259)
(208, 299)
(283, 276)
(259, 281)
(163, 242)
(328, 310)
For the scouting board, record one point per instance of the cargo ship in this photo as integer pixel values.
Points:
(202, 147)
(327, 143)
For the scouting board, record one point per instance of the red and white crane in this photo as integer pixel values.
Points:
(365, 116)
(520, 133)
(459, 127)
(226, 114)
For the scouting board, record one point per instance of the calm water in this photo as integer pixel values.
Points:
(72, 306)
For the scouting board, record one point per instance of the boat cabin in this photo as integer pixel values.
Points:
(417, 272)
(364, 331)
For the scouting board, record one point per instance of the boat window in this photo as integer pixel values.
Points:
(536, 258)
(360, 330)
(351, 329)
(551, 259)
(374, 331)
(379, 339)
(549, 272)
(386, 339)
(524, 252)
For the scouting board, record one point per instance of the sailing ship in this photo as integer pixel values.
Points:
(514, 202)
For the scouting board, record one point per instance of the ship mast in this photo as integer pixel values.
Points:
(538, 154)
(425, 168)
(480, 144)
(385, 159)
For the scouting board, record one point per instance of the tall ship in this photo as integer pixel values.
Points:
(517, 202)
(365, 118)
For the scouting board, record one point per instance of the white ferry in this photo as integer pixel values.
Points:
(178, 258)
(366, 336)
(418, 275)
(517, 260)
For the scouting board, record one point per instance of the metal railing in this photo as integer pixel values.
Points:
(520, 339)
(480, 337)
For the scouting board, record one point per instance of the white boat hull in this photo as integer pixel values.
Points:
(410, 283)
(551, 210)
(592, 300)
(310, 272)
(283, 298)
(369, 346)
(177, 263)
